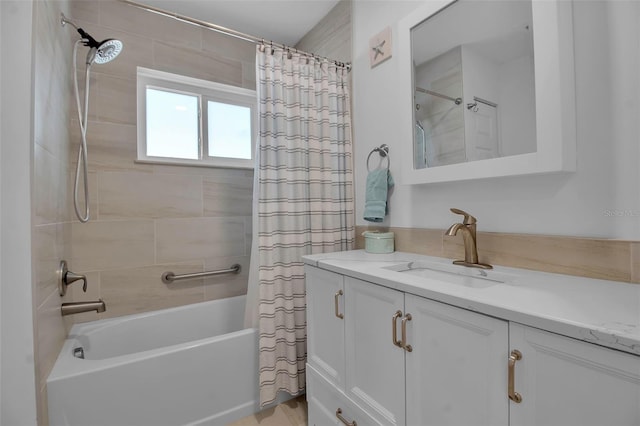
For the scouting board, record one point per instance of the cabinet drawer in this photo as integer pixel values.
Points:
(324, 401)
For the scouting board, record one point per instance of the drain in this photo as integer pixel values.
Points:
(78, 352)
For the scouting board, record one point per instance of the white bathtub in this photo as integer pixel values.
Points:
(192, 365)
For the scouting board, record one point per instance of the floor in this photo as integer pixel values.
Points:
(290, 413)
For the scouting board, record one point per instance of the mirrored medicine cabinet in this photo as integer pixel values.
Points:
(491, 90)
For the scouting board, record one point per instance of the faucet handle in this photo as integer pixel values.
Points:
(468, 219)
(66, 277)
(71, 277)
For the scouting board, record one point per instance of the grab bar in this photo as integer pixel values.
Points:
(169, 277)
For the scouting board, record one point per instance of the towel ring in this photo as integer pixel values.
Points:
(383, 150)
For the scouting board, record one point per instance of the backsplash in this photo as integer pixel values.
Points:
(608, 259)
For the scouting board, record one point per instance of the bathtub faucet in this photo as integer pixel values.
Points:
(79, 307)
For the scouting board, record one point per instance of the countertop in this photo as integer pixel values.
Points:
(603, 312)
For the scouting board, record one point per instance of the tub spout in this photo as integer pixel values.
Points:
(79, 307)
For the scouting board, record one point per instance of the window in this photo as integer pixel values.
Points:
(188, 121)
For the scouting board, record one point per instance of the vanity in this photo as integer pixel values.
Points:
(404, 339)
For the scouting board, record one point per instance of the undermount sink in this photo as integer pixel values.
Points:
(472, 277)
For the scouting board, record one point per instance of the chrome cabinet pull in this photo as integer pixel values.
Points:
(516, 355)
(343, 420)
(335, 298)
(406, 347)
(394, 328)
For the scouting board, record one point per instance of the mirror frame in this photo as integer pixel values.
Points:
(555, 100)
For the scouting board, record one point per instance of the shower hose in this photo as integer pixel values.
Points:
(82, 150)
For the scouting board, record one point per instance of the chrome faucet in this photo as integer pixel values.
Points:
(79, 307)
(468, 229)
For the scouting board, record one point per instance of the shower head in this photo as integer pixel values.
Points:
(106, 51)
(100, 52)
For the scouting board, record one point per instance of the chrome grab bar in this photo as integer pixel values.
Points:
(169, 277)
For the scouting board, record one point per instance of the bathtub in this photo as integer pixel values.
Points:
(192, 365)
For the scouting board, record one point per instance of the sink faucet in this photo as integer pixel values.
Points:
(468, 230)
(79, 307)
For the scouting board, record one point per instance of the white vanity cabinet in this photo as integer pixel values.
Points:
(394, 348)
(402, 359)
(382, 356)
(569, 382)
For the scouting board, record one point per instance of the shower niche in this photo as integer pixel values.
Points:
(490, 90)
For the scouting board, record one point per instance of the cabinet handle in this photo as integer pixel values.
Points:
(516, 355)
(394, 328)
(335, 298)
(406, 347)
(343, 420)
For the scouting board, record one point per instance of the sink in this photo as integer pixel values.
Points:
(471, 277)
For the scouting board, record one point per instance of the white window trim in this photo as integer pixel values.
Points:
(204, 90)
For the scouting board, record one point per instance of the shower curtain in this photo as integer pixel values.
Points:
(304, 200)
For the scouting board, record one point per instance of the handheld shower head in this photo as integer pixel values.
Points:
(108, 50)
(100, 52)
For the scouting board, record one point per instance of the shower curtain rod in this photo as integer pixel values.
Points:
(228, 31)
(457, 101)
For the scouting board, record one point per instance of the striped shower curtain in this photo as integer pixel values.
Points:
(305, 202)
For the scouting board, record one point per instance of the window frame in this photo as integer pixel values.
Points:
(205, 91)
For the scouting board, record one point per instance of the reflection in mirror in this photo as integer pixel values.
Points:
(473, 75)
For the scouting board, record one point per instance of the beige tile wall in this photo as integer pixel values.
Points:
(51, 202)
(331, 37)
(616, 260)
(148, 219)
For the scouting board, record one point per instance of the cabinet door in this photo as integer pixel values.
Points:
(374, 365)
(567, 382)
(325, 329)
(457, 370)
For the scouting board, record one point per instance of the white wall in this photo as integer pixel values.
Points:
(600, 199)
(18, 403)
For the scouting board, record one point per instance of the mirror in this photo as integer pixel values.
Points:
(474, 90)
(491, 92)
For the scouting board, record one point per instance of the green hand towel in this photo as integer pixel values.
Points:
(378, 183)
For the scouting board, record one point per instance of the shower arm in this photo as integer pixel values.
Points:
(86, 37)
(64, 21)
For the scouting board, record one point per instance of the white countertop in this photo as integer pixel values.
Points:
(603, 312)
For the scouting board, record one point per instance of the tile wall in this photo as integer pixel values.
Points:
(331, 37)
(148, 219)
(51, 234)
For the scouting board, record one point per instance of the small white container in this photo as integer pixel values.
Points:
(378, 242)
